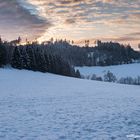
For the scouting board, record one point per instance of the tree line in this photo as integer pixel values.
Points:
(110, 77)
(61, 56)
(35, 57)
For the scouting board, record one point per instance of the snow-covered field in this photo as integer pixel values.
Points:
(126, 70)
(37, 106)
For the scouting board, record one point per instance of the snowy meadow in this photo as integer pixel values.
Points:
(43, 106)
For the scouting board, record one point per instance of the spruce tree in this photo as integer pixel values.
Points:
(25, 61)
(2, 55)
(31, 58)
(40, 61)
(16, 58)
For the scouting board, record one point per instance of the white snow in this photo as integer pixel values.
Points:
(126, 70)
(42, 106)
(133, 136)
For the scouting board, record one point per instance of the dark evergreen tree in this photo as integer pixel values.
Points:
(31, 58)
(40, 60)
(2, 55)
(16, 59)
(48, 64)
(25, 61)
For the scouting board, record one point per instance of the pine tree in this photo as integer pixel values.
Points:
(32, 61)
(25, 61)
(16, 59)
(51, 64)
(2, 55)
(47, 62)
(40, 61)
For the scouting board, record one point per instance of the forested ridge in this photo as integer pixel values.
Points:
(61, 56)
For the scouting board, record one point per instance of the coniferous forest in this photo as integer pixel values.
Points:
(60, 57)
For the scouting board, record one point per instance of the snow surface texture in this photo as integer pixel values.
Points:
(38, 106)
(126, 70)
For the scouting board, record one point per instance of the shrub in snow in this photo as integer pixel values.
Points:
(130, 80)
(97, 78)
(110, 77)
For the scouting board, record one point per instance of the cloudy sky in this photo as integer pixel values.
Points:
(116, 20)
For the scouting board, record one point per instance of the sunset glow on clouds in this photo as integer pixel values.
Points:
(116, 20)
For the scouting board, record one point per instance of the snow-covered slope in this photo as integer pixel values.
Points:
(37, 106)
(126, 70)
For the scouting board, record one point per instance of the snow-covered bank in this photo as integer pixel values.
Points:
(38, 106)
(126, 70)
